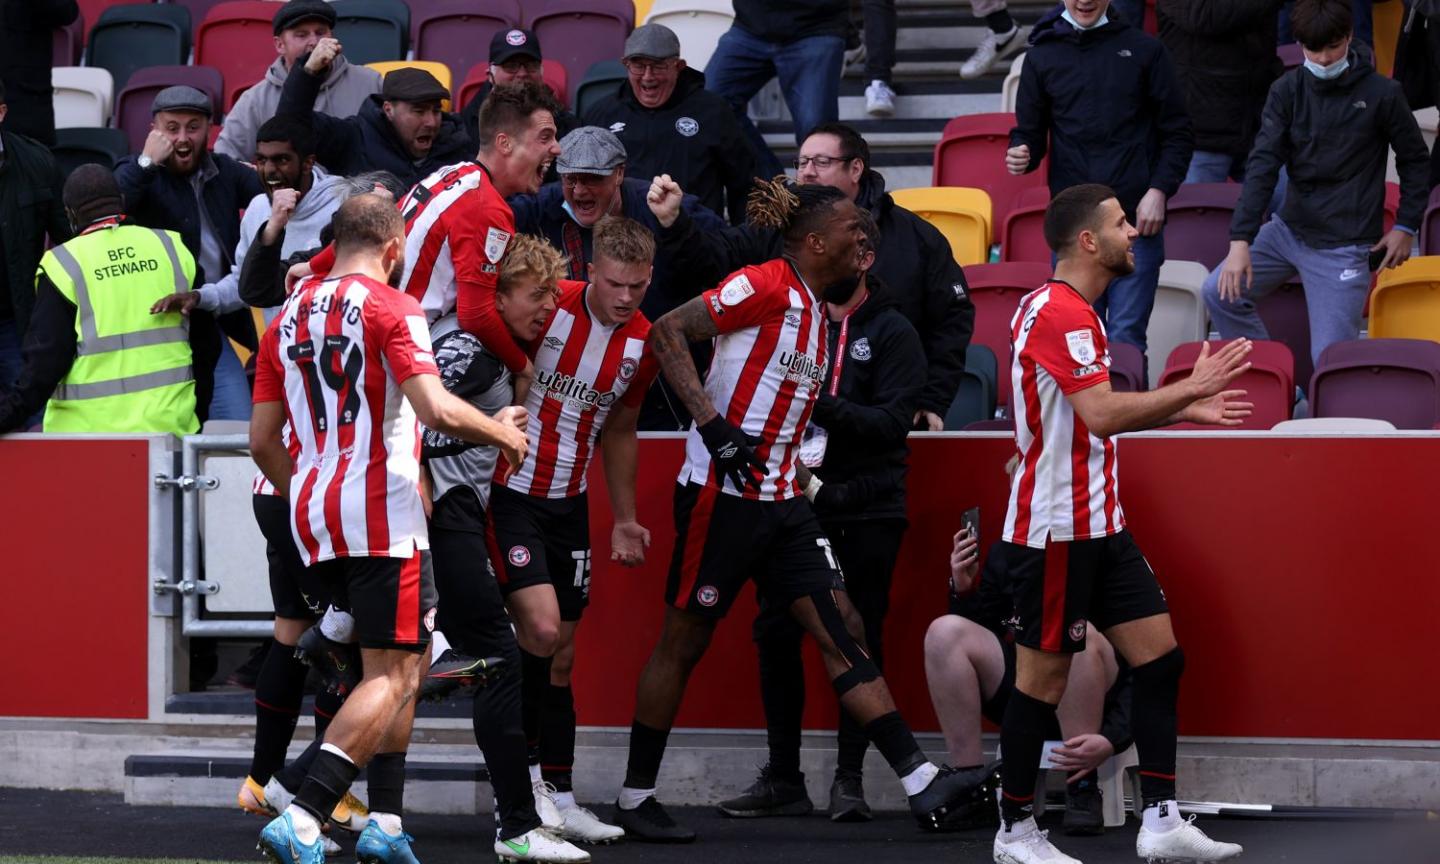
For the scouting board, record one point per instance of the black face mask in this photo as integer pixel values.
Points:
(839, 293)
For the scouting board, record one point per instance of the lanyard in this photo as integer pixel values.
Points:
(839, 365)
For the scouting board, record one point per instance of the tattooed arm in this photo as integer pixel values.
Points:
(670, 339)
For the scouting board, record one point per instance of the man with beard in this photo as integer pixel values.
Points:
(1069, 559)
(739, 509)
(176, 183)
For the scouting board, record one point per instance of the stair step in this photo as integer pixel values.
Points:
(236, 768)
(241, 703)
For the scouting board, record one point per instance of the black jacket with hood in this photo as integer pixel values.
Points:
(30, 209)
(792, 19)
(694, 137)
(1107, 102)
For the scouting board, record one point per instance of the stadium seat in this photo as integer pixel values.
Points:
(1287, 319)
(698, 23)
(1179, 314)
(1355, 425)
(1022, 237)
(1430, 226)
(1269, 383)
(962, 214)
(580, 33)
(1010, 87)
(971, 152)
(238, 38)
(91, 10)
(1001, 424)
(1397, 380)
(557, 78)
(83, 96)
(132, 105)
(599, 81)
(975, 399)
(76, 147)
(1127, 368)
(1197, 222)
(198, 8)
(553, 75)
(133, 36)
(1291, 55)
(996, 289)
(1406, 301)
(372, 31)
(458, 32)
(68, 47)
(439, 70)
(1392, 205)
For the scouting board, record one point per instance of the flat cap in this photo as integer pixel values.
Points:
(295, 11)
(182, 97)
(513, 43)
(409, 84)
(655, 41)
(590, 150)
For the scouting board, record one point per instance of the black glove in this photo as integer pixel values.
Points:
(733, 453)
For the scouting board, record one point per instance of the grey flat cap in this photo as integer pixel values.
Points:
(590, 150)
(182, 98)
(655, 41)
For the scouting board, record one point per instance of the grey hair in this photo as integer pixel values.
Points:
(360, 184)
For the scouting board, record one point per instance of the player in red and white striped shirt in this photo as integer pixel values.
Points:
(739, 514)
(348, 364)
(1068, 556)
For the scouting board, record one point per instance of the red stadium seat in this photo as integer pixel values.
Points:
(458, 32)
(1197, 222)
(996, 289)
(1269, 383)
(581, 33)
(1386, 379)
(237, 38)
(132, 105)
(554, 77)
(971, 152)
(200, 8)
(1022, 238)
(557, 79)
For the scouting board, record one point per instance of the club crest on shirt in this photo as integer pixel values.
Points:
(627, 369)
(708, 595)
(687, 126)
(495, 243)
(860, 350)
(1082, 346)
(1077, 630)
(736, 290)
(519, 556)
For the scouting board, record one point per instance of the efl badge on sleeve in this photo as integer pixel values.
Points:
(1082, 346)
(735, 290)
(495, 243)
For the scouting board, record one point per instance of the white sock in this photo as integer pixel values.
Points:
(338, 626)
(307, 830)
(535, 775)
(631, 798)
(338, 752)
(916, 781)
(438, 645)
(565, 800)
(1019, 829)
(388, 822)
(1162, 817)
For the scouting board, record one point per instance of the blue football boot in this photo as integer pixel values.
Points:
(377, 847)
(279, 843)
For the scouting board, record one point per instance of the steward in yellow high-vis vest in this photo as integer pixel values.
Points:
(105, 362)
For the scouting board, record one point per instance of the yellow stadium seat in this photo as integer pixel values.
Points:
(1387, 18)
(1406, 301)
(642, 10)
(961, 213)
(439, 70)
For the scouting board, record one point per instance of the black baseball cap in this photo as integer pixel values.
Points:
(506, 44)
(295, 11)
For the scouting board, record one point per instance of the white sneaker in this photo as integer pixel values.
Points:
(540, 844)
(583, 826)
(545, 806)
(1184, 844)
(879, 99)
(993, 48)
(1023, 843)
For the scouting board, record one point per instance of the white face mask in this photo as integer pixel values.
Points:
(1331, 72)
(1104, 19)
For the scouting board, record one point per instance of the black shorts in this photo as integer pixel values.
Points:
(472, 616)
(295, 591)
(722, 541)
(392, 599)
(542, 541)
(1057, 589)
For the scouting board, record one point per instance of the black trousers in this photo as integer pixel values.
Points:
(879, 39)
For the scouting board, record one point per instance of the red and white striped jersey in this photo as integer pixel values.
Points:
(768, 368)
(1066, 485)
(582, 367)
(336, 356)
(457, 228)
(262, 484)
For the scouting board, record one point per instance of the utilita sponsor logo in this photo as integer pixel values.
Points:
(558, 385)
(801, 368)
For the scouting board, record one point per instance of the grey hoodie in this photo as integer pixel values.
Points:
(302, 232)
(342, 93)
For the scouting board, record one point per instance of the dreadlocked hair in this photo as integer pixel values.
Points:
(792, 209)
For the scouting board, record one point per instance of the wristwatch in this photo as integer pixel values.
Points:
(145, 162)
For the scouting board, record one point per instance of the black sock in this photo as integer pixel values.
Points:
(1000, 22)
(892, 737)
(557, 736)
(279, 690)
(1022, 737)
(385, 781)
(535, 677)
(327, 705)
(782, 691)
(1157, 690)
(292, 775)
(325, 785)
(647, 748)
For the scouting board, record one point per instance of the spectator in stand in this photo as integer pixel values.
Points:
(670, 124)
(1224, 55)
(30, 209)
(178, 184)
(514, 56)
(1331, 123)
(1104, 98)
(300, 25)
(801, 44)
(402, 130)
(913, 259)
(1005, 39)
(26, 57)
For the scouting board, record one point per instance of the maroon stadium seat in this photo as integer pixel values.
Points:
(1127, 368)
(971, 152)
(1386, 379)
(1023, 236)
(996, 289)
(1197, 222)
(1004, 424)
(132, 105)
(237, 38)
(1269, 383)
(1430, 226)
(458, 32)
(69, 43)
(581, 33)
(1291, 55)
(200, 8)
(1287, 319)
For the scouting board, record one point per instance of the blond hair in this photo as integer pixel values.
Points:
(624, 241)
(530, 257)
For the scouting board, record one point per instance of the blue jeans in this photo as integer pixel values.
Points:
(1336, 282)
(1207, 166)
(1125, 306)
(809, 72)
(231, 399)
